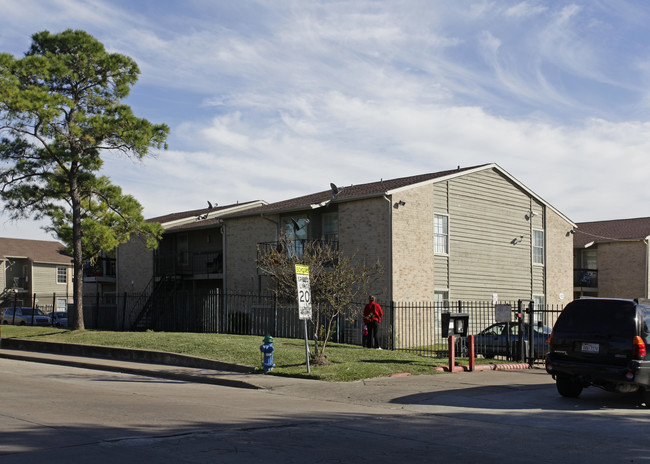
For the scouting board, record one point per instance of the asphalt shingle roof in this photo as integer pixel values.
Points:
(612, 230)
(351, 192)
(39, 251)
(192, 213)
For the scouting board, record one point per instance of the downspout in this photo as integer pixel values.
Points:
(647, 263)
(530, 236)
(223, 257)
(545, 257)
(389, 262)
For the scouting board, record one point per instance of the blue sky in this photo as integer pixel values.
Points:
(275, 99)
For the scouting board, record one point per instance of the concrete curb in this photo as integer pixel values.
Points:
(486, 367)
(139, 362)
(123, 354)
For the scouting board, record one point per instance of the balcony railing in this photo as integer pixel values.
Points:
(585, 278)
(19, 283)
(188, 264)
(101, 268)
(296, 247)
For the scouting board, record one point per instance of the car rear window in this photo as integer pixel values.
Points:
(605, 317)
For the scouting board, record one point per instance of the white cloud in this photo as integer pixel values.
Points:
(292, 96)
(526, 9)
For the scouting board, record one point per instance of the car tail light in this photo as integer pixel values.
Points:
(549, 340)
(639, 347)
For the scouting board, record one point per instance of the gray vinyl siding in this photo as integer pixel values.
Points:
(44, 279)
(486, 213)
(441, 272)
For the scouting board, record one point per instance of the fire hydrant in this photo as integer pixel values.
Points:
(267, 353)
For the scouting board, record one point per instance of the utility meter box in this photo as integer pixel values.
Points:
(455, 324)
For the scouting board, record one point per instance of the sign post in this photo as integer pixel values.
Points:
(304, 301)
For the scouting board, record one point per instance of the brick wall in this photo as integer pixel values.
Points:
(134, 266)
(621, 269)
(364, 231)
(242, 237)
(559, 259)
(413, 261)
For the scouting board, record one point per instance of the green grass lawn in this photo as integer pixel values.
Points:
(346, 362)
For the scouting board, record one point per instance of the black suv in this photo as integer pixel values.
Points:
(601, 342)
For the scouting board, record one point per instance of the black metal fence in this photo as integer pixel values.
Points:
(414, 327)
(418, 327)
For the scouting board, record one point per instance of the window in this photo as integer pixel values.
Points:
(61, 275)
(331, 227)
(182, 248)
(295, 232)
(440, 234)
(441, 299)
(440, 303)
(540, 305)
(538, 247)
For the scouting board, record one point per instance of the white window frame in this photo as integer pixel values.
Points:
(440, 303)
(438, 235)
(59, 274)
(540, 302)
(441, 298)
(537, 248)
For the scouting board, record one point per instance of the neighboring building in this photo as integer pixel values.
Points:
(612, 258)
(35, 270)
(467, 234)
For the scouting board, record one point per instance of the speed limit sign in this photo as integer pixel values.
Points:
(304, 291)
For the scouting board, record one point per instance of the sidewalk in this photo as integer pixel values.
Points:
(139, 362)
(381, 390)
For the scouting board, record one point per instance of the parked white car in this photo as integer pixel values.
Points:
(24, 315)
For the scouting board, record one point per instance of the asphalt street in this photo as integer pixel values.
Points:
(53, 413)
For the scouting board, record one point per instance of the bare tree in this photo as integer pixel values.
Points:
(337, 282)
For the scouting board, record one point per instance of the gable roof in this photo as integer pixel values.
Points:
(383, 187)
(39, 251)
(611, 231)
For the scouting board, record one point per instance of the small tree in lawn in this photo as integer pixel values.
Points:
(337, 282)
(60, 111)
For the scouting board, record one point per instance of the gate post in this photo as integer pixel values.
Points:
(392, 325)
(472, 358)
(531, 333)
(452, 352)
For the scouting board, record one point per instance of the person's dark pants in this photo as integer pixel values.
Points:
(373, 334)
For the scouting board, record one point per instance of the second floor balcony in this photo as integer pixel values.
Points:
(207, 264)
(100, 270)
(585, 278)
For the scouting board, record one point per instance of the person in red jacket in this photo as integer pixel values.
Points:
(372, 314)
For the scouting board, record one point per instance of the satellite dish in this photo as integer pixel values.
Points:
(335, 189)
(296, 226)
